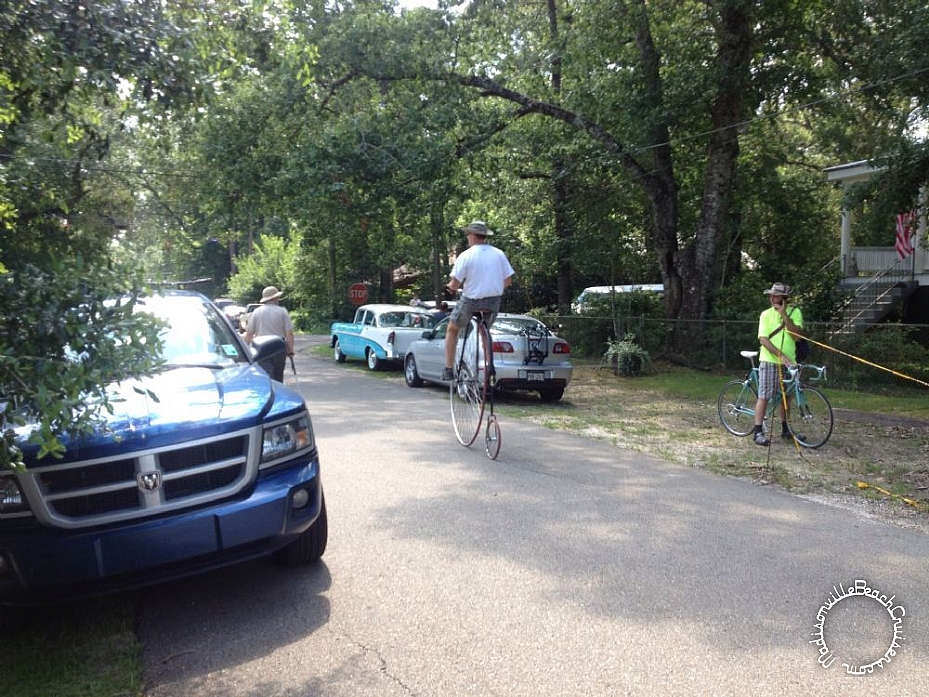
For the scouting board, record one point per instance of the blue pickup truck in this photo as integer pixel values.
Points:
(207, 463)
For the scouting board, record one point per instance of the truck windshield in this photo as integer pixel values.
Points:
(196, 335)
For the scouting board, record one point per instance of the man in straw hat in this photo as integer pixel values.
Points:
(271, 319)
(482, 272)
(778, 327)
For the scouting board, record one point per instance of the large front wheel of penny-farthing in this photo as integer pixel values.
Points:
(469, 388)
(492, 438)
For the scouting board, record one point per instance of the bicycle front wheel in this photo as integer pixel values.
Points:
(468, 391)
(736, 407)
(810, 419)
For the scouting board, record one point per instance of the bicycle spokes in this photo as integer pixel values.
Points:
(492, 437)
(810, 419)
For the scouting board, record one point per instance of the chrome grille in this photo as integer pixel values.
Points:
(95, 492)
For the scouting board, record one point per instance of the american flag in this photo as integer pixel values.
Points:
(906, 230)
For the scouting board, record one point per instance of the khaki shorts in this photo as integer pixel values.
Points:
(466, 307)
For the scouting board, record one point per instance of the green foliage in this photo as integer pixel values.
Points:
(889, 346)
(271, 264)
(815, 291)
(66, 334)
(627, 357)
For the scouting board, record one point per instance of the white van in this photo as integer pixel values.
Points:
(580, 305)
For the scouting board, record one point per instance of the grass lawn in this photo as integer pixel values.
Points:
(83, 649)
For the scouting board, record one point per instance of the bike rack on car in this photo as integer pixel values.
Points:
(536, 346)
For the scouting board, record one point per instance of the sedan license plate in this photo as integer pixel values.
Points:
(535, 375)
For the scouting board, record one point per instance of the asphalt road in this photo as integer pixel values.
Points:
(566, 567)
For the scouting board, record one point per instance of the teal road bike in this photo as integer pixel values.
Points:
(809, 413)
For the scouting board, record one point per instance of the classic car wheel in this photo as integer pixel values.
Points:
(337, 351)
(410, 372)
(311, 544)
(551, 394)
(373, 361)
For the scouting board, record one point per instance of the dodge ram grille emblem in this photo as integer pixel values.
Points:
(149, 481)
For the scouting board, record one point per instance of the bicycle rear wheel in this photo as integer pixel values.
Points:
(492, 437)
(810, 418)
(736, 407)
(468, 391)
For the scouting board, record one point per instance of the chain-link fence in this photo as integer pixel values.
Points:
(882, 358)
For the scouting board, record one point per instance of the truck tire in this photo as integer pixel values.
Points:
(311, 544)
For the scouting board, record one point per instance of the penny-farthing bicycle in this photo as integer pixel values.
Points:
(473, 387)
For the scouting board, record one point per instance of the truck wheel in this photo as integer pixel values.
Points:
(311, 544)
(337, 352)
(373, 361)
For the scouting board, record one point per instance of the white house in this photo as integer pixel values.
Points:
(879, 278)
(873, 260)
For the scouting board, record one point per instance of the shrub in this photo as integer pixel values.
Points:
(627, 357)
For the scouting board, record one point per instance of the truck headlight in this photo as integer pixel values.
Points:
(286, 438)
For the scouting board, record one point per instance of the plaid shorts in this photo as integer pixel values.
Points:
(768, 374)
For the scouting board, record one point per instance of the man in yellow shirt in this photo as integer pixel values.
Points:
(778, 328)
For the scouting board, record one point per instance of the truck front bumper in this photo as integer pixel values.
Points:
(38, 564)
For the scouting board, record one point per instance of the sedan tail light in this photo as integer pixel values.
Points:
(503, 347)
(561, 348)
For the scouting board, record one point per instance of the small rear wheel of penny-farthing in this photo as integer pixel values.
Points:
(492, 437)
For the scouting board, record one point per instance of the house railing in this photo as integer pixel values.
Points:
(875, 295)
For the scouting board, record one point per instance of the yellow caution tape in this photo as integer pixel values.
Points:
(869, 363)
(906, 500)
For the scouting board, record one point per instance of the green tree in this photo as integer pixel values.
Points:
(58, 352)
(669, 94)
(73, 78)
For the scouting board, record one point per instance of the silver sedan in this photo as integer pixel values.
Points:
(527, 356)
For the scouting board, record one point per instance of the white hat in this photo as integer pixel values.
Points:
(270, 293)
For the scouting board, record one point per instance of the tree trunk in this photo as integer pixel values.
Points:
(699, 266)
(564, 237)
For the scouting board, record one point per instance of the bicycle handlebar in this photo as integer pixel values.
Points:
(819, 370)
(794, 370)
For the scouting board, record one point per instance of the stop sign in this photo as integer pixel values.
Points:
(357, 293)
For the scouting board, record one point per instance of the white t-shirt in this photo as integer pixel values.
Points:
(482, 269)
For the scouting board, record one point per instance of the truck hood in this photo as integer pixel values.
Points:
(177, 405)
(189, 395)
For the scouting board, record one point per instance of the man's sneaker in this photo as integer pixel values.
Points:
(790, 436)
(448, 375)
(760, 439)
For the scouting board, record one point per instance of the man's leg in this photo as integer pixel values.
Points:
(459, 317)
(451, 341)
(765, 387)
